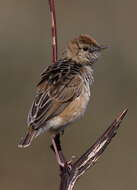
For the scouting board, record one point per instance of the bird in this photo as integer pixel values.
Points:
(63, 92)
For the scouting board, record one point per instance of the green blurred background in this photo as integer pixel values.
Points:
(25, 50)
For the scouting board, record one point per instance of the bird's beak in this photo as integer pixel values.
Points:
(98, 48)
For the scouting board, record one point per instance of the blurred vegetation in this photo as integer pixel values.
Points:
(25, 50)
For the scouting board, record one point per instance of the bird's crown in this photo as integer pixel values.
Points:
(85, 39)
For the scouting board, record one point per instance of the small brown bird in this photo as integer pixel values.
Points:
(63, 92)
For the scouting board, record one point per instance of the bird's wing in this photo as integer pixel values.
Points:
(59, 86)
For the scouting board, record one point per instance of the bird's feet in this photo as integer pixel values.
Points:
(56, 147)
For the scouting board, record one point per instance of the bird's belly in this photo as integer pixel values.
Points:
(73, 112)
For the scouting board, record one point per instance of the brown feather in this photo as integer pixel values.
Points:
(59, 86)
(26, 141)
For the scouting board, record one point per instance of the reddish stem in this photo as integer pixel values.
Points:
(53, 30)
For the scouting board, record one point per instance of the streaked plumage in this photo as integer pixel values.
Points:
(63, 92)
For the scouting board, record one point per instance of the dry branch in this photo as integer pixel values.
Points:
(70, 173)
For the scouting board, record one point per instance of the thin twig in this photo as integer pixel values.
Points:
(53, 30)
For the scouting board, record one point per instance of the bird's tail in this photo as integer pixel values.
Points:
(26, 141)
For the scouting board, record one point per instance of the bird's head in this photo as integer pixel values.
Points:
(83, 49)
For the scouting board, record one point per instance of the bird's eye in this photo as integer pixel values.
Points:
(85, 48)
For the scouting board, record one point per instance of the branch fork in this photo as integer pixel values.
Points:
(69, 171)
